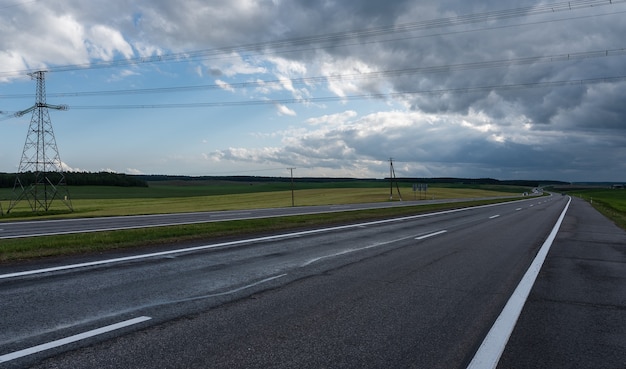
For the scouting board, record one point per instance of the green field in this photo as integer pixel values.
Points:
(610, 202)
(91, 201)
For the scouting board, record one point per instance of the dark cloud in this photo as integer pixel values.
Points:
(515, 119)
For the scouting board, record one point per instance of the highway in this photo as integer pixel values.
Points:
(420, 292)
(22, 229)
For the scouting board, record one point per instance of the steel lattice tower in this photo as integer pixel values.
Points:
(40, 178)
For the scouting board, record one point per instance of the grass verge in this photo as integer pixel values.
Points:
(611, 203)
(75, 244)
(106, 201)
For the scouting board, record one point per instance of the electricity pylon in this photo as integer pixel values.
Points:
(40, 178)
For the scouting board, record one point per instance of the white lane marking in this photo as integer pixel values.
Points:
(493, 345)
(71, 339)
(183, 222)
(518, 209)
(228, 215)
(233, 243)
(430, 235)
(494, 216)
(343, 252)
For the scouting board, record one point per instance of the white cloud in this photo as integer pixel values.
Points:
(233, 64)
(284, 110)
(266, 88)
(224, 85)
(286, 67)
(104, 42)
(133, 171)
(333, 119)
(530, 131)
(12, 62)
(66, 168)
(124, 73)
(423, 145)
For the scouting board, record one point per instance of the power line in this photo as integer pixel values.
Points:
(338, 36)
(349, 77)
(356, 97)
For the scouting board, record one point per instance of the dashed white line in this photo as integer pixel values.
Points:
(518, 209)
(232, 243)
(494, 216)
(430, 235)
(71, 339)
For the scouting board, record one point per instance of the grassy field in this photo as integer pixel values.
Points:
(92, 201)
(610, 202)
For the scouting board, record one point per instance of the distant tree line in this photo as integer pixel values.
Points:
(446, 180)
(483, 181)
(164, 177)
(7, 180)
(127, 180)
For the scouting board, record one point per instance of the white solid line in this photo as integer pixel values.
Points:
(71, 339)
(494, 216)
(493, 345)
(430, 235)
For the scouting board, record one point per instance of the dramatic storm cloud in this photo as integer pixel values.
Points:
(503, 89)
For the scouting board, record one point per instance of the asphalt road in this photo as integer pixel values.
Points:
(21, 229)
(417, 292)
(575, 316)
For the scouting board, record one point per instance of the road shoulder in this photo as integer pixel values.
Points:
(575, 316)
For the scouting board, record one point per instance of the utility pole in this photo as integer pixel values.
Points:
(392, 175)
(390, 179)
(293, 203)
(40, 175)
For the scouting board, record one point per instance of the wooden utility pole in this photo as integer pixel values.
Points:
(392, 175)
(292, 196)
(390, 178)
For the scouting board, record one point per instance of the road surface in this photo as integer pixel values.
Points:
(21, 229)
(419, 292)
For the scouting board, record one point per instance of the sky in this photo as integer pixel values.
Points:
(449, 88)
